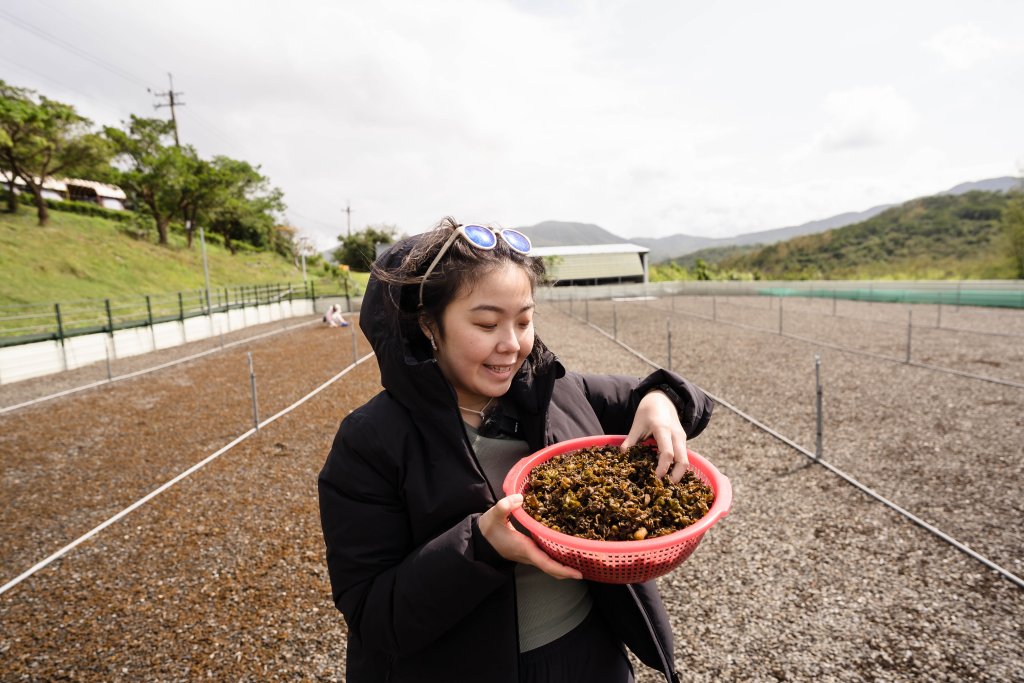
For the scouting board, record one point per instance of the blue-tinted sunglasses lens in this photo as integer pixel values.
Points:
(480, 236)
(517, 240)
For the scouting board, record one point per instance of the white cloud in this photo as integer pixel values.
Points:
(866, 117)
(966, 45)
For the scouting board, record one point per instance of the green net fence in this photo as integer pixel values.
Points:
(964, 295)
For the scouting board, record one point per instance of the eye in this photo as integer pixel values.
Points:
(486, 326)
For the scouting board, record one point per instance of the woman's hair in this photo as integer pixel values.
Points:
(460, 268)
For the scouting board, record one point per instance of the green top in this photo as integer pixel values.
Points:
(548, 608)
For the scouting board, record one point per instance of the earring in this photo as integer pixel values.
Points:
(433, 345)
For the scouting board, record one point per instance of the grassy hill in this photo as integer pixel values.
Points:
(938, 237)
(86, 257)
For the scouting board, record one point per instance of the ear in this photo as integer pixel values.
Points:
(426, 327)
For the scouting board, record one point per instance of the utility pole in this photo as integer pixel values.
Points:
(348, 212)
(172, 103)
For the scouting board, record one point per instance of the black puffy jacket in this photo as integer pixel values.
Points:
(425, 596)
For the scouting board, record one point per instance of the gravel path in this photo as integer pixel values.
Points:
(222, 577)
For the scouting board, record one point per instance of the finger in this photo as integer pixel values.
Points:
(666, 452)
(499, 513)
(637, 432)
(509, 503)
(546, 564)
(682, 460)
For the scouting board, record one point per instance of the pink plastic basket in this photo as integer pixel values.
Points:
(619, 561)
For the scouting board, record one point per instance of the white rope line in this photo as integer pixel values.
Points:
(1007, 574)
(163, 487)
(144, 371)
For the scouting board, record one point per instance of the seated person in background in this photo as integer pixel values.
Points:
(334, 318)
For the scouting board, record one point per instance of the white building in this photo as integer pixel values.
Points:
(595, 264)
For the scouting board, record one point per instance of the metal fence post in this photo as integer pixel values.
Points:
(910, 320)
(818, 394)
(149, 321)
(252, 384)
(60, 336)
(668, 341)
(780, 316)
(110, 318)
(110, 374)
(181, 317)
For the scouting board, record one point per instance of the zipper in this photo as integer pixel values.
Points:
(667, 668)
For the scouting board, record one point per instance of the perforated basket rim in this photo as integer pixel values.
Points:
(515, 481)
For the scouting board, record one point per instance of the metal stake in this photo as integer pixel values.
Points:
(910, 319)
(252, 384)
(714, 308)
(780, 316)
(817, 382)
(60, 336)
(938, 320)
(110, 375)
(355, 348)
(615, 321)
(668, 343)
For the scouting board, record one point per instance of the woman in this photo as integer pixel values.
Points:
(434, 582)
(334, 318)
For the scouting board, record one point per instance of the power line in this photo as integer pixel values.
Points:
(123, 50)
(62, 84)
(217, 132)
(103, 64)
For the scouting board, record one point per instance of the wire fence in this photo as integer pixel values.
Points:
(28, 323)
(990, 293)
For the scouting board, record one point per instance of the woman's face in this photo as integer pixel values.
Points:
(488, 333)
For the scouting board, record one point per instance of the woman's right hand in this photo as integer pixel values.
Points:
(515, 546)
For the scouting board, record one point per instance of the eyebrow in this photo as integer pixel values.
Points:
(499, 309)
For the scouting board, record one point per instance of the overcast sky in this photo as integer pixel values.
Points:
(648, 118)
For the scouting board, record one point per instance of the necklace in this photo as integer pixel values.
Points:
(481, 411)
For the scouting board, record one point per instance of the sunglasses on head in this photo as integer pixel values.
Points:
(480, 237)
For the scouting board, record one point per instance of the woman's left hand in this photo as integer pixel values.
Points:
(656, 416)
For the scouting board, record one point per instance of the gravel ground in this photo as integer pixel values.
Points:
(222, 576)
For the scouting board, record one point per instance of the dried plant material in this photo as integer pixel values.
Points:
(606, 494)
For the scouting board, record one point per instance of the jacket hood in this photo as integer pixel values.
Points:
(408, 370)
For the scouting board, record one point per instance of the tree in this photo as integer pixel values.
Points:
(1013, 228)
(359, 249)
(244, 205)
(701, 270)
(153, 173)
(41, 138)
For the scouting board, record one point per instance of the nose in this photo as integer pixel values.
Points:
(509, 341)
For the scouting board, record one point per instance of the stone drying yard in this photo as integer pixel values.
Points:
(221, 577)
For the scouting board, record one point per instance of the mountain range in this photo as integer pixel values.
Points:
(561, 233)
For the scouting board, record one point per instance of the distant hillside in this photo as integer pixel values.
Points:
(714, 255)
(1004, 184)
(561, 233)
(86, 257)
(947, 235)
